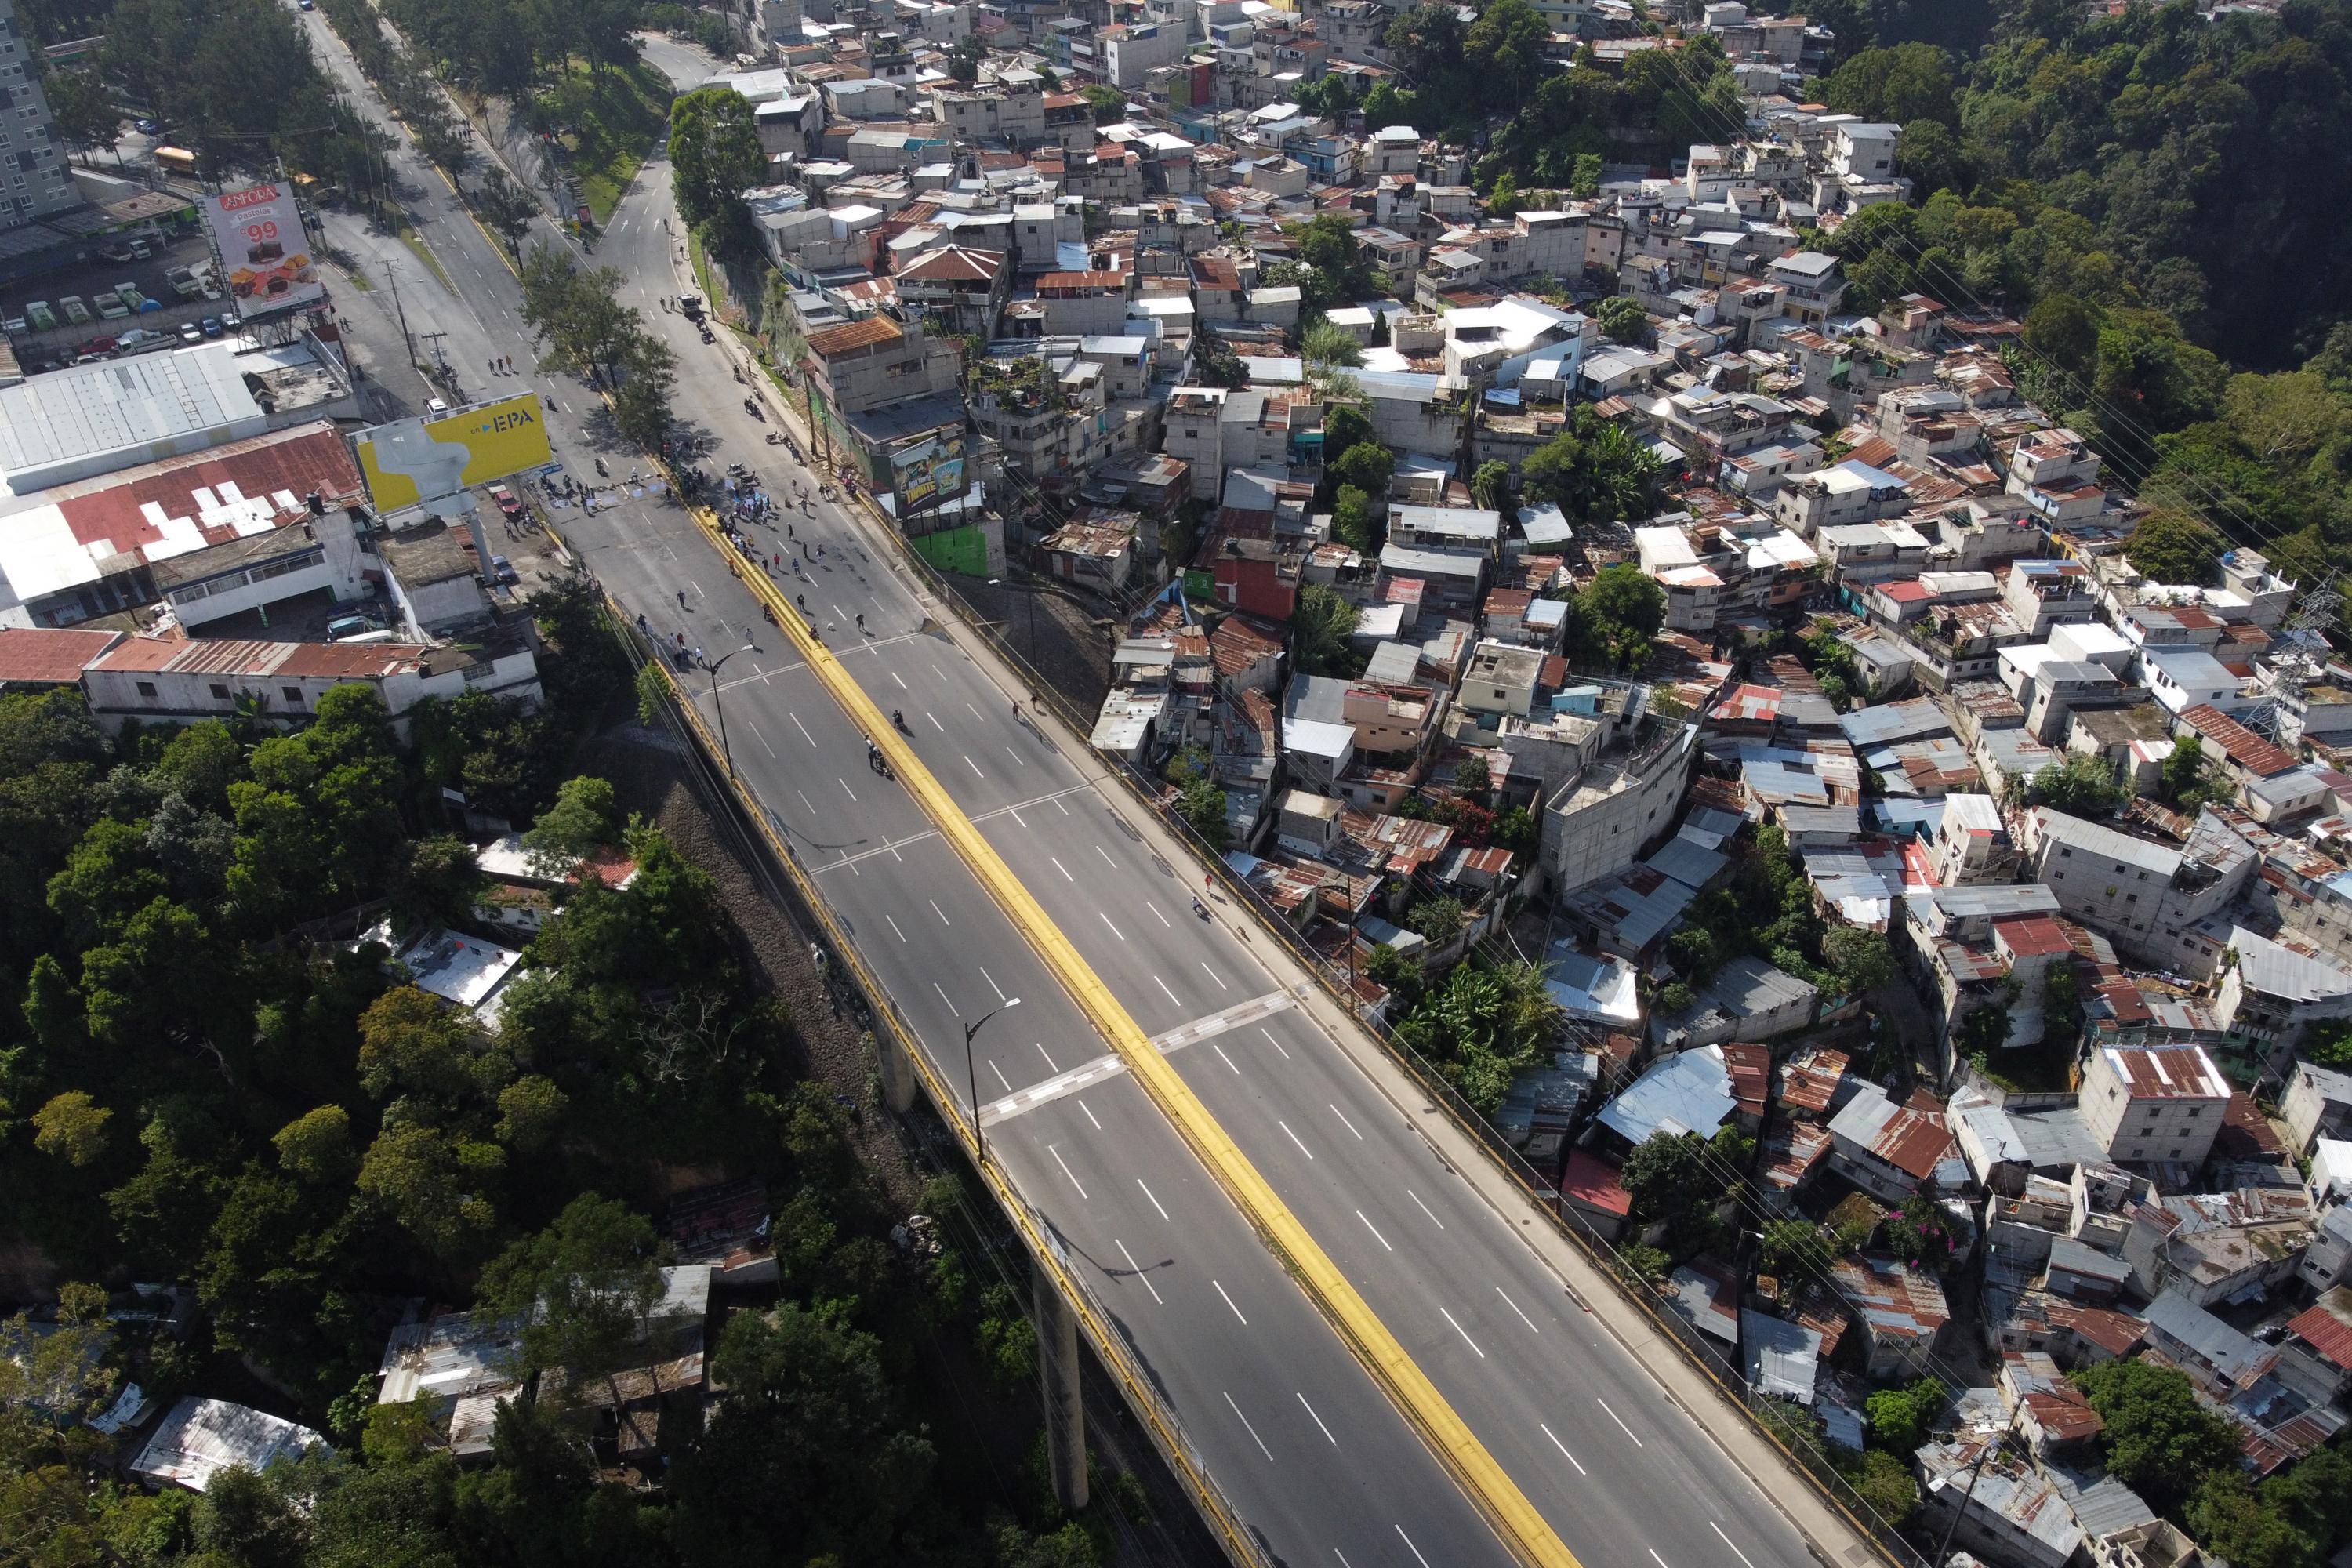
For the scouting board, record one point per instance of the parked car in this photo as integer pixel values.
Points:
(144, 126)
(508, 506)
(213, 326)
(190, 333)
(14, 325)
(436, 407)
(344, 627)
(140, 336)
(99, 346)
(502, 571)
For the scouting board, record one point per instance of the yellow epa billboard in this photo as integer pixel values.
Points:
(412, 461)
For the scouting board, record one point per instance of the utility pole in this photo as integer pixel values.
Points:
(439, 358)
(393, 273)
(971, 1076)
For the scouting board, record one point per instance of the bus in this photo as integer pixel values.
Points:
(178, 159)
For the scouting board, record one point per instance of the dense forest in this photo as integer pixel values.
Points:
(207, 1080)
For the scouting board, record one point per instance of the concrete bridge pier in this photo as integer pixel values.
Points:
(1057, 1371)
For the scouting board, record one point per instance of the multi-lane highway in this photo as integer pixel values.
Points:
(1311, 1454)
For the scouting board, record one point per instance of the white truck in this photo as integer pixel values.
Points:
(186, 283)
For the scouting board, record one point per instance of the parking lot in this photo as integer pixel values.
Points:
(38, 351)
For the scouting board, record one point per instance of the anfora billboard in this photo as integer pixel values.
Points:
(265, 255)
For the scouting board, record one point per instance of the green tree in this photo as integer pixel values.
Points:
(1902, 1419)
(81, 110)
(1982, 1030)
(1107, 104)
(1613, 618)
(641, 409)
(1320, 628)
(1352, 522)
(440, 1189)
(715, 156)
(587, 1291)
(2175, 548)
(505, 208)
(583, 819)
(1490, 487)
(1366, 466)
(2230, 1520)
(72, 1128)
(1667, 1177)
(1440, 919)
(1622, 319)
(316, 1146)
(1203, 805)
(2160, 1440)
(2083, 785)
(1324, 343)
(1905, 84)
(1860, 957)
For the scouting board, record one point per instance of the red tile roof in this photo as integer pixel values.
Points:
(2327, 1327)
(37, 656)
(1590, 1179)
(118, 513)
(2239, 744)
(851, 335)
(2033, 937)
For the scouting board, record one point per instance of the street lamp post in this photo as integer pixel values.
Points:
(971, 1075)
(719, 708)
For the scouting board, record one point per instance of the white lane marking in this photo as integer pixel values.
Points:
(1617, 1418)
(1564, 1454)
(844, 787)
(968, 707)
(806, 800)
(1015, 757)
(1729, 1541)
(1425, 1208)
(1155, 910)
(943, 675)
(1293, 1137)
(1656, 1559)
(902, 685)
(938, 911)
(1060, 807)
(1224, 1059)
(993, 985)
(943, 995)
(1114, 929)
(1136, 1269)
(762, 739)
(1514, 1306)
(801, 727)
(1342, 1557)
(840, 613)
(999, 1077)
(1464, 1333)
(1275, 1043)
(1213, 975)
(1410, 1547)
(1251, 1430)
(1229, 1301)
(975, 767)
(1319, 1421)
(1106, 855)
(1375, 1230)
(943, 728)
(1164, 991)
(894, 926)
(1064, 870)
(1057, 1153)
(1082, 1106)
(1155, 1202)
(1051, 1068)
(1343, 1120)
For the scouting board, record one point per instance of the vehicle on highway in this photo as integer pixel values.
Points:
(690, 307)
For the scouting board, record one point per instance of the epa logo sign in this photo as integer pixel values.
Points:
(504, 420)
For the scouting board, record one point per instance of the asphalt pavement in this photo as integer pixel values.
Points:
(1311, 1454)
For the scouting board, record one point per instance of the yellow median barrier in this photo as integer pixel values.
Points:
(1507, 1509)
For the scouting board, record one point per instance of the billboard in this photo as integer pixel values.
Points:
(412, 461)
(265, 255)
(929, 472)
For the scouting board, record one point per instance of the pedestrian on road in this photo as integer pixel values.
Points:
(861, 620)
(788, 532)
(682, 599)
(641, 620)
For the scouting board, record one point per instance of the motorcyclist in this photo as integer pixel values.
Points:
(897, 719)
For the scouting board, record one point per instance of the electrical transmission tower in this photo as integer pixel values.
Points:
(2301, 654)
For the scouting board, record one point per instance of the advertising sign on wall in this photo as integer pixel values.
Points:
(410, 462)
(929, 472)
(265, 255)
